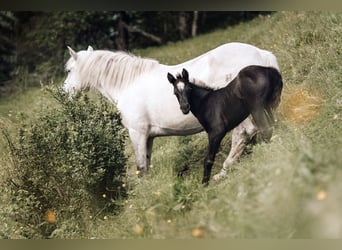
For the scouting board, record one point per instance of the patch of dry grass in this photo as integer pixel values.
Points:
(299, 105)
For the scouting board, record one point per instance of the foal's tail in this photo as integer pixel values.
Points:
(264, 118)
(273, 96)
(276, 86)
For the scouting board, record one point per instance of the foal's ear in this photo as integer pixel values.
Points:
(171, 78)
(185, 74)
(90, 48)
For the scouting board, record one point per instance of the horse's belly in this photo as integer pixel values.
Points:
(174, 123)
(159, 131)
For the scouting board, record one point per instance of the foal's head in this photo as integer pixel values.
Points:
(182, 89)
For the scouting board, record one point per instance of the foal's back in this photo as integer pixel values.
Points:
(223, 109)
(255, 88)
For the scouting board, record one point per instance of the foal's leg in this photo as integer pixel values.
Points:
(242, 135)
(214, 144)
(139, 141)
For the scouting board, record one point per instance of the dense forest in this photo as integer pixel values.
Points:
(33, 43)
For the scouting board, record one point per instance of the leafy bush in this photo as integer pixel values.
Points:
(68, 166)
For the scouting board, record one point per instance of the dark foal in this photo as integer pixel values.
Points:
(256, 90)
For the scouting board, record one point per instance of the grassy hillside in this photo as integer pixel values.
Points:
(288, 188)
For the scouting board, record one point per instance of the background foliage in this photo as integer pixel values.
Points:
(33, 44)
(7, 47)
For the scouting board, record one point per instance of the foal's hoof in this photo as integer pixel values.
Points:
(205, 184)
(183, 171)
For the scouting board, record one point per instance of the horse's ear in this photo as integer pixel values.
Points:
(171, 78)
(72, 53)
(185, 74)
(90, 48)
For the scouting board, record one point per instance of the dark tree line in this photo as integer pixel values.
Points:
(7, 46)
(35, 42)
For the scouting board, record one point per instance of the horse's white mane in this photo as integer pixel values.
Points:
(119, 69)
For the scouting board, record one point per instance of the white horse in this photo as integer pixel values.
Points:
(141, 91)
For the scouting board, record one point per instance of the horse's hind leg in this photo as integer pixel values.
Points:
(241, 137)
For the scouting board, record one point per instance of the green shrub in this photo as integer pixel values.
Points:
(68, 167)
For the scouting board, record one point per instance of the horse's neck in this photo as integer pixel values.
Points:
(125, 72)
(109, 93)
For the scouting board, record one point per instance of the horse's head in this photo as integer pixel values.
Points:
(73, 81)
(182, 89)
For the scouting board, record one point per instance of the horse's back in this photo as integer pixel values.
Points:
(230, 58)
(267, 58)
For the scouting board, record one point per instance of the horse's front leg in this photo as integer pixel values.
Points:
(214, 144)
(241, 136)
(139, 141)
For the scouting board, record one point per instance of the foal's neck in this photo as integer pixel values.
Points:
(199, 92)
(197, 95)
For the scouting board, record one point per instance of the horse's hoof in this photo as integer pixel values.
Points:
(140, 173)
(218, 177)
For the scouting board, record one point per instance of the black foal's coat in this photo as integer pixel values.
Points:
(256, 90)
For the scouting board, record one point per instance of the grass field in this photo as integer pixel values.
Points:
(288, 188)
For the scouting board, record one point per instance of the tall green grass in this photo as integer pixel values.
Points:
(288, 188)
